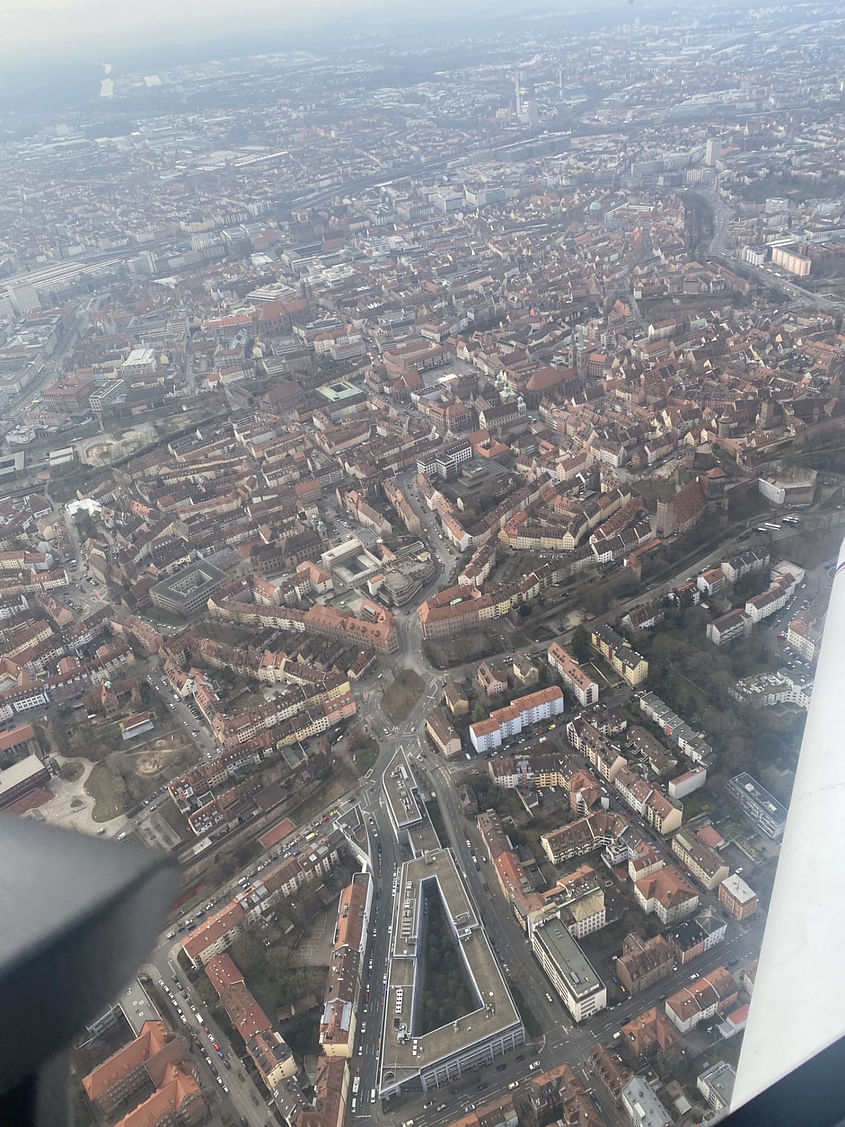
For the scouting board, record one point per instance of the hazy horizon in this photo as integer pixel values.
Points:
(31, 31)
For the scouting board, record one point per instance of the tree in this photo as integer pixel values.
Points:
(597, 598)
(580, 645)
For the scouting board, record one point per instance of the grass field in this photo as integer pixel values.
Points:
(365, 757)
(107, 792)
(400, 698)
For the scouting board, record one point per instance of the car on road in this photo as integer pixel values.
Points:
(535, 1064)
(501, 1067)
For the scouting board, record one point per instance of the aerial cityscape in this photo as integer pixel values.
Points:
(423, 473)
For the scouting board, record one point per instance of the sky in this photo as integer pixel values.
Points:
(73, 26)
(36, 27)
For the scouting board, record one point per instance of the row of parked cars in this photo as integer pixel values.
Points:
(200, 1022)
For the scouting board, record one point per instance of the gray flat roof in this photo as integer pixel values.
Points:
(649, 1111)
(423, 838)
(18, 772)
(569, 957)
(137, 1007)
(495, 1010)
(399, 786)
(191, 579)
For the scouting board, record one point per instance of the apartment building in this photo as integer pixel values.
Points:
(762, 808)
(622, 658)
(698, 858)
(676, 729)
(441, 733)
(662, 813)
(711, 581)
(695, 936)
(648, 1033)
(516, 885)
(596, 747)
(642, 1105)
(667, 893)
(331, 1088)
(766, 689)
(745, 563)
(609, 1069)
(155, 1059)
(492, 678)
(714, 993)
(804, 639)
(513, 718)
(737, 897)
(269, 1051)
(772, 599)
(644, 961)
(525, 672)
(687, 782)
(373, 626)
(577, 900)
(599, 830)
(456, 699)
(794, 263)
(341, 996)
(716, 1084)
(734, 624)
(633, 790)
(217, 932)
(575, 679)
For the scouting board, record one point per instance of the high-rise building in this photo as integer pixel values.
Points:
(713, 152)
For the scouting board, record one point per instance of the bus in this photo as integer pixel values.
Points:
(310, 837)
(791, 520)
(356, 1084)
(771, 526)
